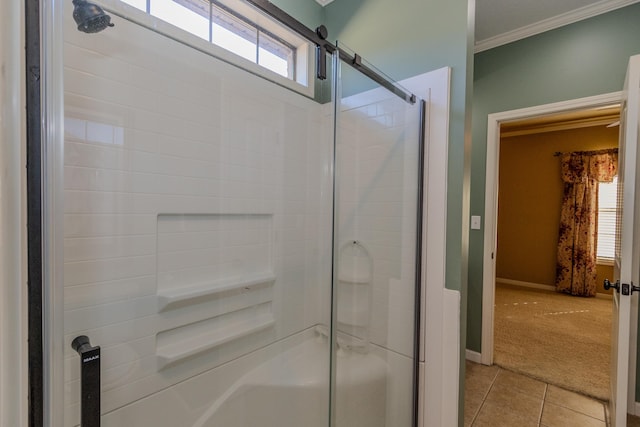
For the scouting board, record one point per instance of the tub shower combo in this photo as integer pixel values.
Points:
(223, 250)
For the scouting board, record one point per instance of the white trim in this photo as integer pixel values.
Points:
(491, 200)
(323, 3)
(635, 408)
(439, 397)
(13, 377)
(633, 115)
(605, 261)
(633, 356)
(52, 77)
(451, 357)
(551, 23)
(305, 76)
(525, 284)
(542, 287)
(473, 356)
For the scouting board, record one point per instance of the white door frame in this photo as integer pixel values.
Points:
(491, 214)
(13, 323)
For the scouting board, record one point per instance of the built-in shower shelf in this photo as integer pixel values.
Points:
(186, 347)
(176, 297)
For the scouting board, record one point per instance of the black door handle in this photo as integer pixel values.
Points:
(608, 285)
(624, 287)
(89, 381)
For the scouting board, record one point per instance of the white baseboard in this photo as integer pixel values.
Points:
(525, 284)
(473, 356)
(541, 286)
(637, 409)
(451, 357)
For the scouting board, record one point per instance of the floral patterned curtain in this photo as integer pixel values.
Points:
(581, 173)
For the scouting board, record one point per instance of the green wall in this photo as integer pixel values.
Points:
(309, 12)
(583, 59)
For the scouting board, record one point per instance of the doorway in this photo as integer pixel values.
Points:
(491, 203)
(533, 321)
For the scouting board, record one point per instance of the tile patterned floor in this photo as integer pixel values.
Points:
(499, 398)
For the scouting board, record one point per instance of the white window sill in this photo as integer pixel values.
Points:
(305, 85)
(605, 261)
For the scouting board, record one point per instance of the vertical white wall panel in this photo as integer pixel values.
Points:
(13, 388)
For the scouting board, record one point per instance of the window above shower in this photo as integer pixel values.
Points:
(242, 31)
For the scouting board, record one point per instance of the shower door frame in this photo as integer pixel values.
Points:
(341, 56)
(34, 128)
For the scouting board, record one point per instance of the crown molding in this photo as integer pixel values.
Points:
(567, 18)
(324, 2)
(569, 125)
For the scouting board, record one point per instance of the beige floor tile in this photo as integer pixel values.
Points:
(557, 416)
(633, 421)
(480, 375)
(575, 401)
(477, 369)
(500, 415)
(472, 405)
(519, 383)
(527, 406)
(476, 388)
(470, 411)
(495, 397)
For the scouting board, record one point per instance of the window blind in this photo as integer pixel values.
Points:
(607, 198)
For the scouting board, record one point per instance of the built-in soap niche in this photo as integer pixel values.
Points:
(215, 282)
(200, 250)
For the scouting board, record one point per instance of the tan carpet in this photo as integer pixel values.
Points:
(560, 339)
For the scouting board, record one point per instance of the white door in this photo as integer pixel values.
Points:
(626, 267)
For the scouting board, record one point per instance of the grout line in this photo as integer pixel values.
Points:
(577, 411)
(484, 397)
(475, 416)
(593, 399)
(493, 381)
(544, 400)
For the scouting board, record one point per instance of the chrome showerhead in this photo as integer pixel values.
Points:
(90, 17)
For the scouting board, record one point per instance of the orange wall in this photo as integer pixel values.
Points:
(529, 199)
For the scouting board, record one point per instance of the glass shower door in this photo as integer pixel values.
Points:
(222, 251)
(191, 239)
(375, 241)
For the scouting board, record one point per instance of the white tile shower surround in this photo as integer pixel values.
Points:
(154, 128)
(377, 168)
(157, 129)
(378, 152)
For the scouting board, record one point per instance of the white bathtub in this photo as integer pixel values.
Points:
(290, 390)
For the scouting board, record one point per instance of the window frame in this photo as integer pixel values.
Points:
(605, 260)
(302, 80)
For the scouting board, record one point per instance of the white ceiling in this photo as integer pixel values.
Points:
(500, 22)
